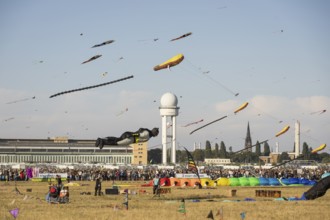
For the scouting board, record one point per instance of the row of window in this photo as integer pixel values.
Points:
(21, 150)
(65, 158)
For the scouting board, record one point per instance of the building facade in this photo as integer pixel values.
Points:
(64, 150)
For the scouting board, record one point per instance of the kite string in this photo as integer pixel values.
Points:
(205, 73)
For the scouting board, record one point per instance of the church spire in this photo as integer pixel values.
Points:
(248, 141)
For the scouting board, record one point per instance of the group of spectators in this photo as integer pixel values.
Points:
(148, 173)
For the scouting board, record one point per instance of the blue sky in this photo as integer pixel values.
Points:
(275, 54)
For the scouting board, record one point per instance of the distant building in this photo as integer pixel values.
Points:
(248, 140)
(140, 153)
(64, 150)
(217, 161)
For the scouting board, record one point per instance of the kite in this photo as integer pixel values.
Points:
(243, 106)
(8, 119)
(192, 123)
(14, 212)
(104, 74)
(21, 100)
(104, 43)
(318, 190)
(285, 129)
(192, 165)
(169, 63)
(154, 39)
(122, 112)
(321, 147)
(128, 137)
(208, 124)
(320, 112)
(210, 215)
(92, 58)
(182, 36)
(314, 151)
(91, 87)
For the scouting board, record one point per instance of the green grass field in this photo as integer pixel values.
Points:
(198, 203)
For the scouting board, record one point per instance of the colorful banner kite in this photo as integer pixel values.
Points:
(191, 164)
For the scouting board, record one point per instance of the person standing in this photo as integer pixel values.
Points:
(155, 182)
(98, 186)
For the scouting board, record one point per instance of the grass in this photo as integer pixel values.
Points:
(145, 206)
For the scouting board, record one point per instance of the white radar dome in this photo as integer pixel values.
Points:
(168, 100)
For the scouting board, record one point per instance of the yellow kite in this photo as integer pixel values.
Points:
(243, 106)
(169, 63)
(321, 147)
(285, 129)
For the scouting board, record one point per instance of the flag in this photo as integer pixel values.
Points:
(191, 164)
(182, 207)
(210, 215)
(14, 212)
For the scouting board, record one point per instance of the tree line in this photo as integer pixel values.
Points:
(155, 155)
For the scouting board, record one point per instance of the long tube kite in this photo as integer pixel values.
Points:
(321, 147)
(92, 58)
(169, 63)
(182, 36)
(192, 123)
(104, 43)
(285, 129)
(91, 87)
(208, 124)
(314, 151)
(21, 100)
(243, 106)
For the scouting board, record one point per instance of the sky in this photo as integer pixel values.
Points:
(275, 54)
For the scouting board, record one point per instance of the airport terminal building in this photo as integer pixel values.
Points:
(64, 150)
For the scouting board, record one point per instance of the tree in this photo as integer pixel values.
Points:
(284, 156)
(314, 156)
(305, 151)
(155, 156)
(216, 150)
(258, 151)
(223, 152)
(266, 149)
(198, 155)
(208, 150)
(181, 156)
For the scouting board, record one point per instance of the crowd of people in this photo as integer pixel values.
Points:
(82, 173)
